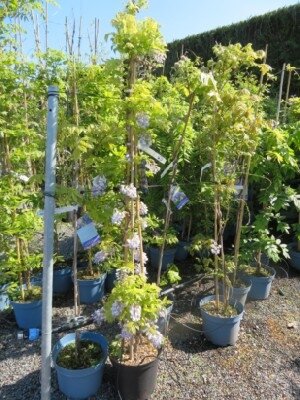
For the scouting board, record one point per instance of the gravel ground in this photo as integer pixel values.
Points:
(264, 364)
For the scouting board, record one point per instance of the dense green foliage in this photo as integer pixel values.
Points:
(280, 30)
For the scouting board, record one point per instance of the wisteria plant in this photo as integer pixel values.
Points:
(134, 303)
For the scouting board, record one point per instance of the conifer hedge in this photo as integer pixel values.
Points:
(279, 29)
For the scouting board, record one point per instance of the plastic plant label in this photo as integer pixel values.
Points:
(33, 334)
(59, 210)
(239, 191)
(179, 198)
(143, 146)
(87, 232)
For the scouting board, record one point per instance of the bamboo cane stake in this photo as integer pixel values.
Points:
(280, 93)
(287, 95)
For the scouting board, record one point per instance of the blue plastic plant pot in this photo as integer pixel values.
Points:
(62, 280)
(91, 290)
(79, 384)
(221, 331)
(111, 278)
(181, 251)
(168, 257)
(28, 315)
(261, 285)
(4, 300)
(295, 256)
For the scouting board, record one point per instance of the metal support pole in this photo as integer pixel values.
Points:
(49, 208)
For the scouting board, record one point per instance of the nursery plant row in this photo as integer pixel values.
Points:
(149, 170)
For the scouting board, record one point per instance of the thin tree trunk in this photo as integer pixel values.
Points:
(172, 181)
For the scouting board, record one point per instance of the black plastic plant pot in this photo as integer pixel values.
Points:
(135, 382)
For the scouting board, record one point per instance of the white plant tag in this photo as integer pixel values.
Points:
(59, 210)
(178, 197)
(166, 169)
(239, 192)
(142, 145)
(87, 232)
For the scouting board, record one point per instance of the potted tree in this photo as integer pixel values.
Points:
(135, 304)
(258, 241)
(233, 117)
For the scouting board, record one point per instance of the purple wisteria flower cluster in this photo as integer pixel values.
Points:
(215, 248)
(116, 309)
(118, 217)
(137, 257)
(152, 166)
(143, 120)
(156, 339)
(135, 312)
(99, 185)
(134, 242)
(143, 209)
(99, 257)
(129, 191)
(99, 316)
(138, 269)
(125, 334)
(159, 58)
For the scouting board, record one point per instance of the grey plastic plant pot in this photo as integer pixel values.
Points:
(91, 290)
(163, 321)
(181, 251)
(79, 384)
(168, 257)
(261, 285)
(28, 315)
(111, 278)
(237, 294)
(294, 256)
(221, 331)
(4, 300)
(135, 382)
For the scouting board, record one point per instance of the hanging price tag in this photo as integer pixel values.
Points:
(178, 197)
(87, 232)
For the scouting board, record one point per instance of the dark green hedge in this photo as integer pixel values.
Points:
(279, 29)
